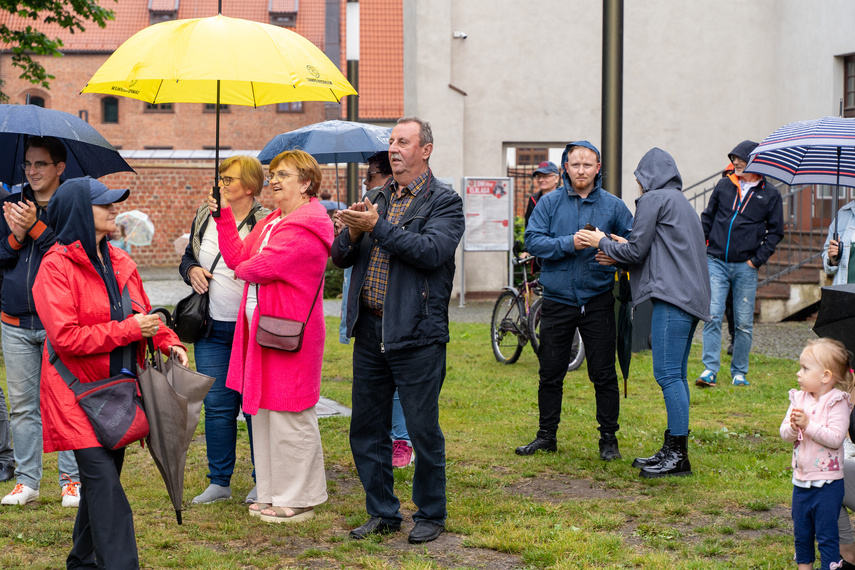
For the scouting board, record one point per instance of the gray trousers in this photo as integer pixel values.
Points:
(844, 526)
(7, 456)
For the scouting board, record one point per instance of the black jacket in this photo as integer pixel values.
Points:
(421, 251)
(750, 229)
(20, 262)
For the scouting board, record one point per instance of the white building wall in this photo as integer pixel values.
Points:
(699, 77)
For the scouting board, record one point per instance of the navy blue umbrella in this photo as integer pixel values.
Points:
(809, 152)
(331, 141)
(89, 154)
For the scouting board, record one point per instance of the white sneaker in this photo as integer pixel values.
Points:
(20, 495)
(71, 493)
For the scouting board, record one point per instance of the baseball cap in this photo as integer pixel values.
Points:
(100, 194)
(546, 167)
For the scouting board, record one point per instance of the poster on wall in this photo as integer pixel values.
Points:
(488, 207)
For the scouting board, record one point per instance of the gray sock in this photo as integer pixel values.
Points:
(212, 494)
(252, 497)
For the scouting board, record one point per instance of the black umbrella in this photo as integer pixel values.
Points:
(172, 397)
(624, 327)
(89, 154)
(836, 318)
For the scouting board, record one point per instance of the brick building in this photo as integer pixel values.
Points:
(169, 186)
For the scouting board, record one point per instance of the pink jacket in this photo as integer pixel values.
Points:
(819, 454)
(288, 271)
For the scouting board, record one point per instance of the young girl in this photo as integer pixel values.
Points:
(816, 423)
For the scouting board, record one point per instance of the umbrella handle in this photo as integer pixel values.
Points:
(835, 259)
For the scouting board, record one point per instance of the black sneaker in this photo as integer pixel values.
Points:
(609, 448)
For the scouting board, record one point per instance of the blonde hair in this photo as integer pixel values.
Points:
(833, 356)
(251, 172)
(307, 168)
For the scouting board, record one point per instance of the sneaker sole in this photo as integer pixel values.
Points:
(15, 502)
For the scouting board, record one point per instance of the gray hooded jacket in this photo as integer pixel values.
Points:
(666, 252)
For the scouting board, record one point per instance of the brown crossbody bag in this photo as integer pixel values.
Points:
(281, 333)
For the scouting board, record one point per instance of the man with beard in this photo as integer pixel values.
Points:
(577, 292)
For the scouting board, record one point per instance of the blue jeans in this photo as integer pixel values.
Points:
(345, 288)
(671, 333)
(742, 280)
(418, 373)
(22, 352)
(222, 405)
(815, 512)
(399, 424)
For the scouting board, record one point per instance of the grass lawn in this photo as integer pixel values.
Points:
(563, 510)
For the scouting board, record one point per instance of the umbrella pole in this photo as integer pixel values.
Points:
(834, 200)
(216, 189)
(336, 186)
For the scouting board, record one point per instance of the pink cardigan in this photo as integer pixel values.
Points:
(820, 451)
(288, 271)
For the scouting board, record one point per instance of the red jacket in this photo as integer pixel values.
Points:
(72, 302)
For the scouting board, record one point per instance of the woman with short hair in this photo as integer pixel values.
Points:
(283, 262)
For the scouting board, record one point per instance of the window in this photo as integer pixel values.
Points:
(212, 108)
(110, 110)
(162, 11)
(293, 107)
(162, 108)
(531, 156)
(38, 101)
(283, 13)
(849, 86)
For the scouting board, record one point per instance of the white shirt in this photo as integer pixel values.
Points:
(224, 289)
(251, 296)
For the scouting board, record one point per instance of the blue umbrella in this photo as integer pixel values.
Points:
(331, 141)
(809, 152)
(89, 154)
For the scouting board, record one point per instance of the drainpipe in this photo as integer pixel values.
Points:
(612, 96)
(352, 54)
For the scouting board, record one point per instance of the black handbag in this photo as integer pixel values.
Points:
(281, 333)
(190, 318)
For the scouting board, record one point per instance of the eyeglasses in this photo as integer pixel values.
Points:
(369, 174)
(39, 166)
(277, 176)
(227, 180)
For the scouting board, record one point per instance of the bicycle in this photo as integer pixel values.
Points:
(516, 321)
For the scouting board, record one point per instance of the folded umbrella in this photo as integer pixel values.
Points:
(89, 153)
(172, 396)
(624, 327)
(836, 317)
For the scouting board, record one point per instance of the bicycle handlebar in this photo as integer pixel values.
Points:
(523, 260)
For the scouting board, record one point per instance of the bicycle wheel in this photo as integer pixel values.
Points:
(507, 334)
(577, 352)
(534, 325)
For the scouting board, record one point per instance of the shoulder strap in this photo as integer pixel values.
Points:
(250, 218)
(312, 308)
(65, 373)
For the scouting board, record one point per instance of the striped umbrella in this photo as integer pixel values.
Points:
(809, 152)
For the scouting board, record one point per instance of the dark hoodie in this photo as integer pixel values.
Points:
(70, 214)
(665, 251)
(20, 264)
(570, 276)
(748, 228)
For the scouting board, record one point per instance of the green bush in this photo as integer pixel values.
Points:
(333, 281)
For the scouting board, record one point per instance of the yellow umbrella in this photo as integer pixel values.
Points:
(219, 60)
(182, 61)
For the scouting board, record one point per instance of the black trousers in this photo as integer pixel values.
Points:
(104, 529)
(596, 324)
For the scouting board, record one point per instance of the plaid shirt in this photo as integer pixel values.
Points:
(374, 288)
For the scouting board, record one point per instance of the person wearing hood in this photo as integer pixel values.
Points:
(743, 224)
(665, 255)
(78, 294)
(282, 262)
(577, 292)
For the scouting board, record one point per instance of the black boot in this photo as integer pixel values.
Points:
(609, 447)
(543, 441)
(674, 463)
(656, 457)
